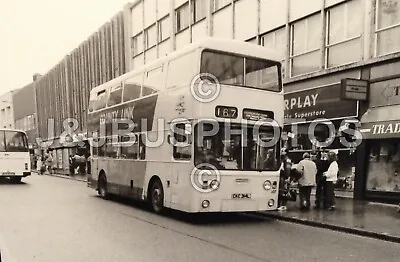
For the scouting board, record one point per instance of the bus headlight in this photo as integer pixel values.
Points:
(214, 184)
(267, 185)
(271, 203)
(205, 204)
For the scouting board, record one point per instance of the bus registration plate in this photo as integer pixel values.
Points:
(8, 174)
(241, 196)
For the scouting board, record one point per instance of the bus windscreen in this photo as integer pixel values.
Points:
(238, 70)
(13, 141)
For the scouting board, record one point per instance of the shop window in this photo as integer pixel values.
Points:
(276, 40)
(387, 27)
(164, 26)
(305, 52)
(199, 10)
(384, 165)
(182, 150)
(137, 44)
(344, 31)
(182, 17)
(150, 35)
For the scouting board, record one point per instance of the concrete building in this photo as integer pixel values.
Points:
(7, 110)
(321, 42)
(63, 92)
(25, 113)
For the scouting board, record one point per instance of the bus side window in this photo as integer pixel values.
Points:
(182, 70)
(154, 80)
(142, 147)
(101, 100)
(2, 142)
(101, 151)
(182, 152)
(132, 87)
(95, 147)
(115, 97)
(129, 148)
(111, 148)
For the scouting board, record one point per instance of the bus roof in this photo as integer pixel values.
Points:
(13, 130)
(213, 43)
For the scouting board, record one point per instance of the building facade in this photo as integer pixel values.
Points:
(62, 94)
(320, 44)
(25, 113)
(7, 110)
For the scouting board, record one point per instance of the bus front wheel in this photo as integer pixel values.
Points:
(103, 192)
(157, 196)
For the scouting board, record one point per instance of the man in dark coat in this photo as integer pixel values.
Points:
(322, 166)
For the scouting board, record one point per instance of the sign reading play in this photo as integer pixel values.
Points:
(320, 102)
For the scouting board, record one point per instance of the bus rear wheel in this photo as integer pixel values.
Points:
(157, 196)
(103, 191)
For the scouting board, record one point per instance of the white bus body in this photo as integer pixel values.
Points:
(162, 174)
(14, 155)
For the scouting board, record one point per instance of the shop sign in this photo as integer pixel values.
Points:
(355, 89)
(321, 102)
(385, 93)
(387, 129)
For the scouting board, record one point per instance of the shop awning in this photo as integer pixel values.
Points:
(381, 122)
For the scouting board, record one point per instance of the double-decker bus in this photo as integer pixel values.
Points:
(14, 155)
(204, 125)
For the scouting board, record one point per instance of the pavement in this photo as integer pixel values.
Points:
(47, 219)
(376, 220)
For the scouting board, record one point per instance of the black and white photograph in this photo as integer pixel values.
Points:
(199, 130)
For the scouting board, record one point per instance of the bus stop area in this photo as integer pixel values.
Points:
(369, 219)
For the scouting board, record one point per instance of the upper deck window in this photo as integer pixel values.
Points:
(243, 71)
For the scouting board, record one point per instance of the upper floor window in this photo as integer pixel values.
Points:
(305, 45)
(218, 4)
(137, 44)
(164, 28)
(199, 10)
(344, 31)
(150, 36)
(387, 26)
(277, 41)
(182, 17)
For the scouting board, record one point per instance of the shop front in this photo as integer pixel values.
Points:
(380, 127)
(317, 118)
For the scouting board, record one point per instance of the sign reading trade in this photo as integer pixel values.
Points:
(322, 102)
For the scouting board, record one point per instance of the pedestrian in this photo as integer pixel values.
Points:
(71, 161)
(49, 163)
(39, 165)
(331, 177)
(322, 166)
(308, 171)
(284, 182)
